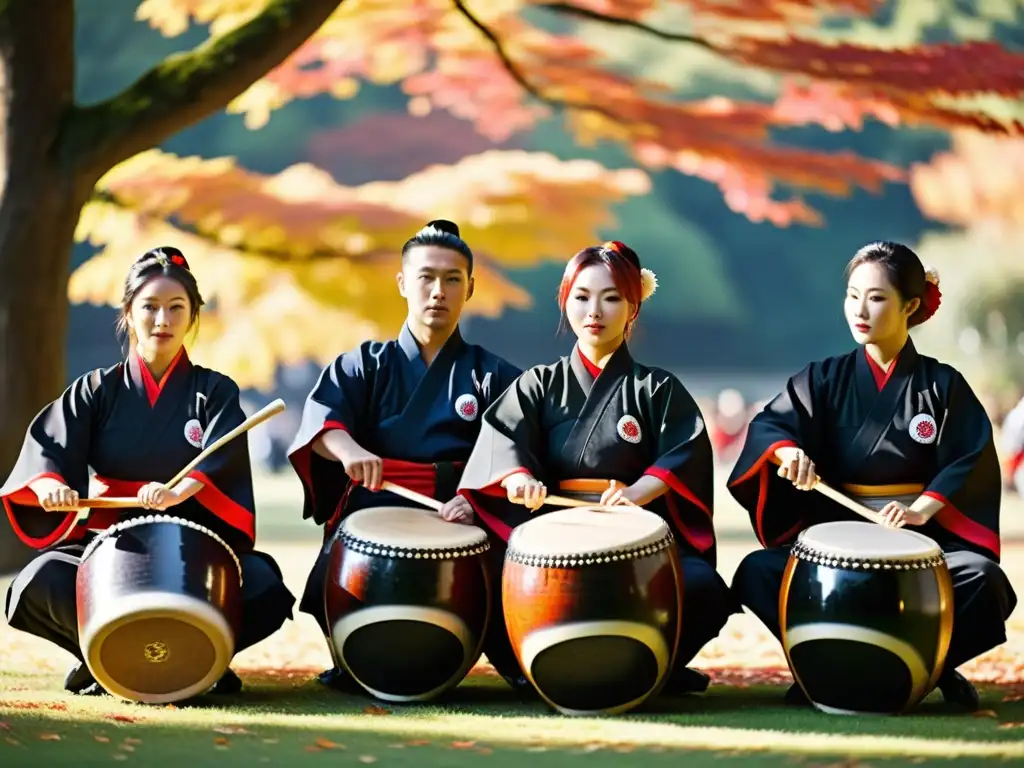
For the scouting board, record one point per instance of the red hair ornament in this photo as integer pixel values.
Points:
(932, 297)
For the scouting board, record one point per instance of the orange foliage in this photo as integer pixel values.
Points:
(978, 181)
(440, 52)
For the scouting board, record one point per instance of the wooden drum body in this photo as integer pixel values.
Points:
(866, 614)
(593, 605)
(407, 600)
(159, 607)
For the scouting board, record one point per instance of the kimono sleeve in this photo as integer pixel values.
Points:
(339, 400)
(226, 474)
(684, 462)
(510, 441)
(968, 481)
(791, 419)
(56, 446)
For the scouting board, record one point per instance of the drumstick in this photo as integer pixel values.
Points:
(259, 417)
(399, 490)
(849, 503)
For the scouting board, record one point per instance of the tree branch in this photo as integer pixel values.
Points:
(185, 88)
(101, 195)
(569, 9)
(517, 74)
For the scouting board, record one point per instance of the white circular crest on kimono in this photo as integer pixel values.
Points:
(194, 433)
(467, 407)
(923, 429)
(629, 429)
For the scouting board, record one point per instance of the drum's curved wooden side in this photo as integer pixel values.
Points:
(159, 608)
(595, 638)
(866, 638)
(407, 628)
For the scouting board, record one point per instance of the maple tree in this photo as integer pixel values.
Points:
(76, 170)
(974, 189)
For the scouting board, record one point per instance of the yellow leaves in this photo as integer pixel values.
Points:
(296, 267)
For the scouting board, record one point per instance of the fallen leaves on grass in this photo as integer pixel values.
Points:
(328, 744)
(373, 709)
(367, 759)
(53, 706)
(985, 713)
(1011, 725)
(49, 737)
(463, 744)
(102, 739)
(122, 718)
(417, 743)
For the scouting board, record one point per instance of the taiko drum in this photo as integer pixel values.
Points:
(593, 604)
(159, 608)
(866, 614)
(407, 600)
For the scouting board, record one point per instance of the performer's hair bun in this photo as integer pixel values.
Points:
(445, 226)
(443, 233)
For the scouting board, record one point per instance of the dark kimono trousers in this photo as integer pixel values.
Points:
(421, 420)
(131, 430)
(562, 425)
(877, 436)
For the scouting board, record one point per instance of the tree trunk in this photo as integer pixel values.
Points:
(40, 202)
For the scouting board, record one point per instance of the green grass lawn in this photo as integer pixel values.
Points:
(291, 720)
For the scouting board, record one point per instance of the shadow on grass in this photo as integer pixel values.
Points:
(291, 719)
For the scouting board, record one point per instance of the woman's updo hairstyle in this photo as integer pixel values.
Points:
(166, 261)
(906, 273)
(442, 233)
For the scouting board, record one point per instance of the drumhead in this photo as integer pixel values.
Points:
(588, 530)
(410, 528)
(867, 542)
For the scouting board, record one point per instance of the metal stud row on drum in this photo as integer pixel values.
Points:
(588, 558)
(364, 547)
(150, 519)
(803, 552)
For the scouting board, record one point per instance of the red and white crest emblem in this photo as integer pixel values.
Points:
(923, 429)
(467, 407)
(194, 433)
(629, 429)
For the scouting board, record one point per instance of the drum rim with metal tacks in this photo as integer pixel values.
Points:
(526, 549)
(103, 621)
(353, 533)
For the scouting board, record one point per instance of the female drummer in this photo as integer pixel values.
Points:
(136, 424)
(901, 432)
(599, 421)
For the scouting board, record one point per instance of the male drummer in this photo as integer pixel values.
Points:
(405, 411)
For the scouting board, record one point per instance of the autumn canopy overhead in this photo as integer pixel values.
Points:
(299, 240)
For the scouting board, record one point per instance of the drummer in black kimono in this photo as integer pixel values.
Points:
(136, 425)
(900, 432)
(405, 411)
(599, 421)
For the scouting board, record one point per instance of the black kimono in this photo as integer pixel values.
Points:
(561, 424)
(421, 420)
(919, 429)
(130, 431)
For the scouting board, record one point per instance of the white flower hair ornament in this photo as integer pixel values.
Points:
(648, 284)
(931, 274)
